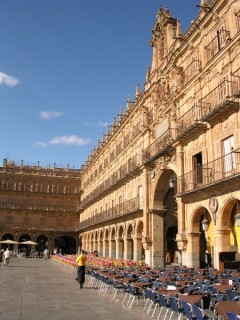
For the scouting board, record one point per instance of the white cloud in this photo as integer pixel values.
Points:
(66, 140)
(8, 80)
(103, 124)
(50, 114)
(72, 140)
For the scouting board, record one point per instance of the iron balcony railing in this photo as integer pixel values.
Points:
(132, 205)
(131, 165)
(236, 84)
(216, 100)
(217, 44)
(188, 119)
(36, 206)
(216, 171)
(192, 70)
(159, 145)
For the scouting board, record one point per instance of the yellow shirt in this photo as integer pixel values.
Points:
(81, 260)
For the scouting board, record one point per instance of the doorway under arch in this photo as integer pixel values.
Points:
(65, 245)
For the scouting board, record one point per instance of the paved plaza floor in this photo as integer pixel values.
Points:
(36, 289)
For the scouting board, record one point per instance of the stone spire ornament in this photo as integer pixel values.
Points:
(178, 30)
(148, 73)
(128, 104)
(137, 91)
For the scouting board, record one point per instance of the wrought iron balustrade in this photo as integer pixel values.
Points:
(217, 43)
(217, 99)
(216, 171)
(124, 208)
(188, 119)
(158, 145)
(192, 70)
(236, 83)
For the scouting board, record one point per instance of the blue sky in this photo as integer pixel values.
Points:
(66, 67)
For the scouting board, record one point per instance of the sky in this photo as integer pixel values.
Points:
(66, 68)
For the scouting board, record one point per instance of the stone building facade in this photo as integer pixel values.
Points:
(169, 164)
(163, 184)
(39, 204)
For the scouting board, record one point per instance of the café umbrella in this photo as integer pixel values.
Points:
(29, 242)
(9, 241)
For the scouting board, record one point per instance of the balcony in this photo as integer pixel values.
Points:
(12, 205)
(127, 207)
(189, 121)
(192, 70)
(218, 100)
(160, 145)
(215, 172)
(130, 166)
(236, 83)
(209, 107)
(217, 44)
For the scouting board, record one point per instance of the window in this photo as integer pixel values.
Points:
(229, 155)
(197, 168)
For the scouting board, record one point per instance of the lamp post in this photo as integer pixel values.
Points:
(171, 183)
(205, 222)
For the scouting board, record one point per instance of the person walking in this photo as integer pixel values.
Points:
(6, 257)
(81, 262)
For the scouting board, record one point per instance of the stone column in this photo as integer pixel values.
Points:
(137, 254)
(221, 244)
(157, 248)
(112, 248)
(192, 255)
(119, 248)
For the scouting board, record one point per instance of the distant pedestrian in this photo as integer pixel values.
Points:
(6, 257)
(81, 262)
(45, 254)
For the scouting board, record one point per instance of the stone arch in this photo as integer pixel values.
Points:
(120, 241)
(139, 253)
(129, 242)
(198, 239)
(164, 213)
(139, 229)
(106, 242)
(160, 187)
(225, 212)
(100, 241)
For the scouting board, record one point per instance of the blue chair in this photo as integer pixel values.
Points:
(187, 310)
(163, 306)
(133, 294)
(176, 309)
(232, 316)
(199, 313)
(230, 294)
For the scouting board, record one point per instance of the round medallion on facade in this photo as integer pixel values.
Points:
(213, 204)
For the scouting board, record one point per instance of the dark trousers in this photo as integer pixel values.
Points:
(81, 274)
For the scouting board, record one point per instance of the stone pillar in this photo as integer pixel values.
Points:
(138, 247)
(157, 248)
(112, 248)
(146, 240)
(129, 249)
(181, 236)
(119, 248)
(192, 254)
(106, 247)
(221, 244)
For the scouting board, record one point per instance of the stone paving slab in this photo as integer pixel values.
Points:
(36, 289)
